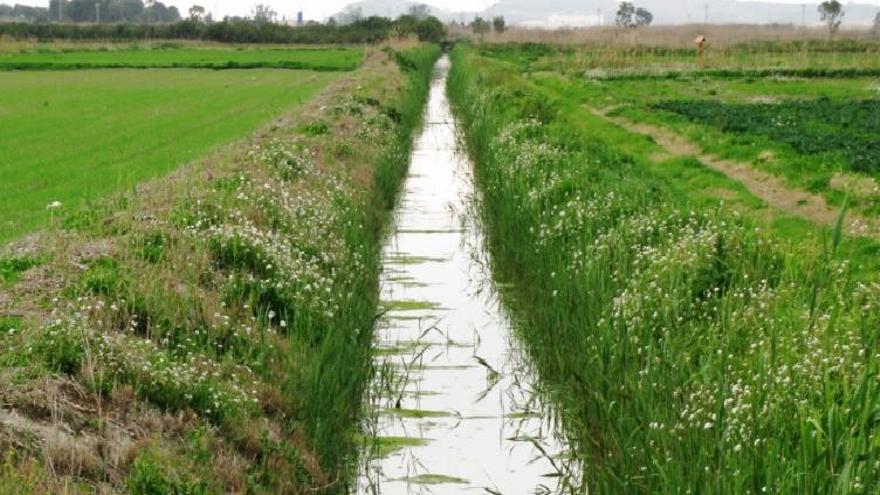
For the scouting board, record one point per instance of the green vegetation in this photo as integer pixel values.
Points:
(814, 133)
(847, 130)
(320, 59)
(810, 58)
(689, 348)
(223, 316)
(368, 30)
(73, 137)
(12, 268)
(433, 479)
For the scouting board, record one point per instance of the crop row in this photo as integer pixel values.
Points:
(850, 128)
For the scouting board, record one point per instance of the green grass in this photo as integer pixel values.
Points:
(321, 59)
(689, 348)
(76, 136)
(12, 268)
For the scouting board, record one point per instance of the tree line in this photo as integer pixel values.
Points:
(95, 11)
(235, 30)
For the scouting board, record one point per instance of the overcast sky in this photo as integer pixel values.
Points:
(321, 9)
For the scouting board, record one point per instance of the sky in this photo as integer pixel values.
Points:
(321, 9)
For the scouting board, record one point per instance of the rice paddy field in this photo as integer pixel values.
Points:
(594, 267)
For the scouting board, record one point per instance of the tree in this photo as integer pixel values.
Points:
(263, 14)
(877, 24)
(644, 17)
(626, 15)
(431, 29)
(197, 13)
(480, 26)
(420, 11)
(831, 12)
(499, 24)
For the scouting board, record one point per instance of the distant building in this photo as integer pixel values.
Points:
(299, 18)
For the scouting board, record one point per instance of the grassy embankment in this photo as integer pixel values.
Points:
(211, 332)
(690, 348)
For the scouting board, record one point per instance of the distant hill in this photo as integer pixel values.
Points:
(559, 13)
(386, 8)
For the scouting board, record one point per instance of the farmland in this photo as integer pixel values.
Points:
(207, 332)
(134, 56)
(140, 125)
(602, 266)
(725, 331)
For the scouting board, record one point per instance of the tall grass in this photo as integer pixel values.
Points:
(688, 350)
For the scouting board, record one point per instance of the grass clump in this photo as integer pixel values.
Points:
(688, 348)
(12, 268)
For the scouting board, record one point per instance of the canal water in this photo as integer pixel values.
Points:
(455, 407)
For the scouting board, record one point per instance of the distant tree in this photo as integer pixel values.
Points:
(420, 11)
(263, 14)
(197, 13)
(480, 26)
(431, 29)
(831, 13)
(643, 17)
(331, 21)
(405, 25)
(877, 24)
(499, 24)
(626, 15)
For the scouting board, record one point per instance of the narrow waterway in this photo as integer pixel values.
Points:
(455, 407)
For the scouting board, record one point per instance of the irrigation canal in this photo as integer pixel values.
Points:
(455, 410)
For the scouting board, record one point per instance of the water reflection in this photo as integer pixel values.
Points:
(456, 410)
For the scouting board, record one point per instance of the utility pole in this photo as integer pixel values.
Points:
(706, 14)
(97, 13)
(599, 18)
(59, 9)
(804, 15)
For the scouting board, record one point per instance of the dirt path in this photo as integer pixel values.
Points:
(769, 188)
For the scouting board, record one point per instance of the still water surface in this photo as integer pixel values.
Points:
(456, 403)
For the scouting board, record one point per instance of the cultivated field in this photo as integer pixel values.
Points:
(73, 136)
(173, 56)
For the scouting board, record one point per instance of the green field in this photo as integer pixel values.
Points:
(323, 59)
(77, 135)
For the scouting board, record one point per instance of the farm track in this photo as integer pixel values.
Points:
(769, 188)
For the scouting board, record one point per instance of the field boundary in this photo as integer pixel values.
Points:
(769, 188)
(49, 66)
